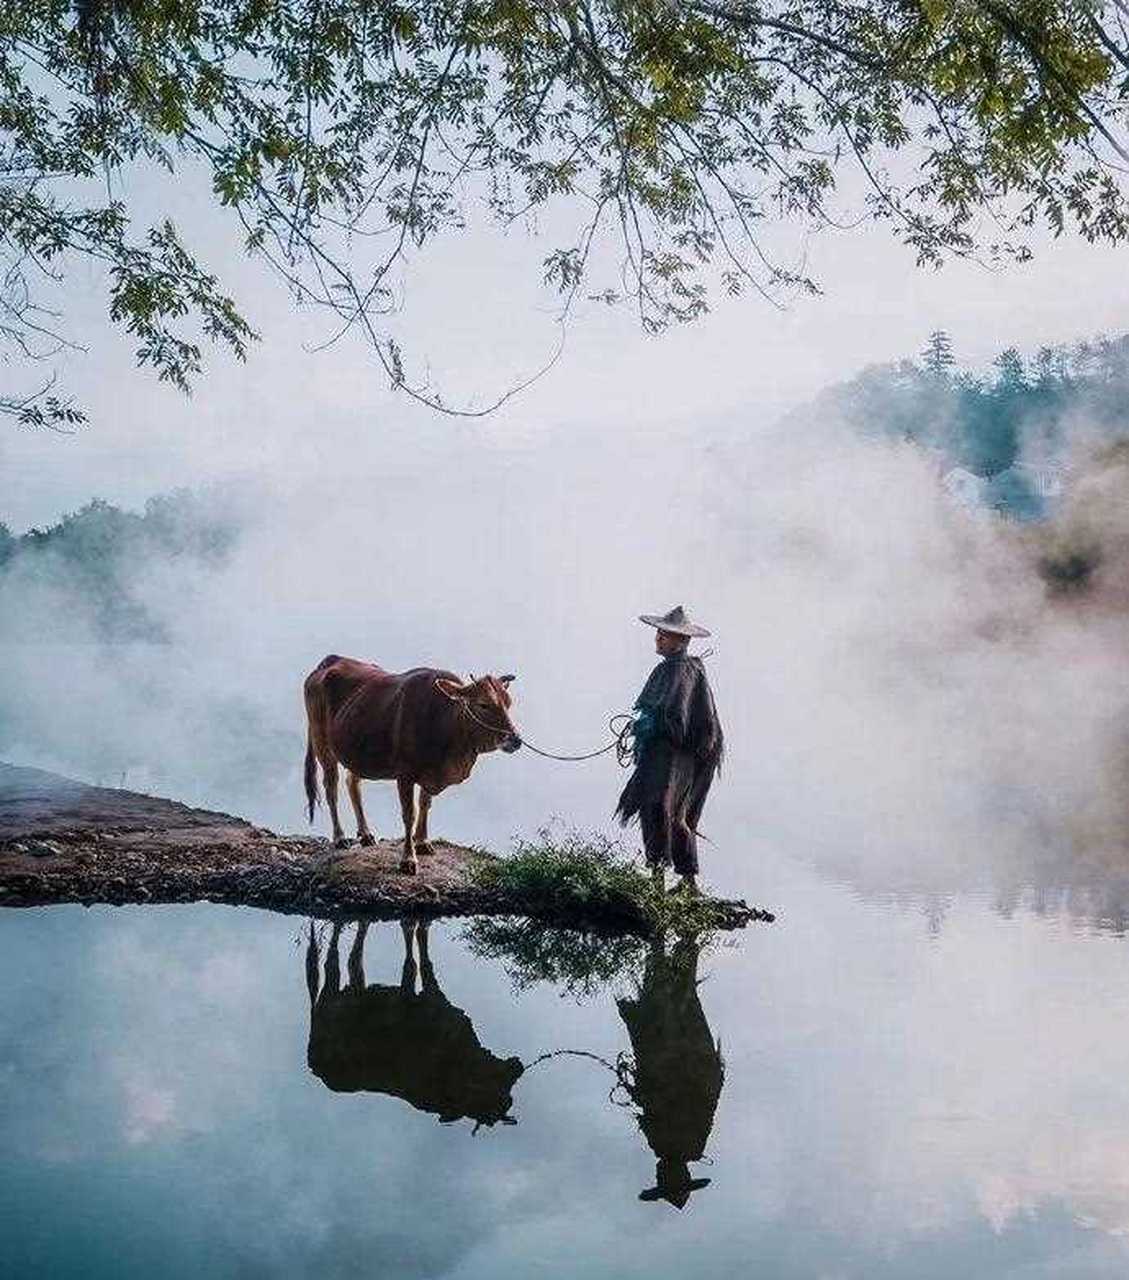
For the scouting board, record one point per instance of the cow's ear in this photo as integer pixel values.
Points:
(507, 679)
(452, 688)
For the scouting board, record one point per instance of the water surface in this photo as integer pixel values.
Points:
(902, 1089)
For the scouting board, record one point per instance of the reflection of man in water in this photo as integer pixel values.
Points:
(678, 1070)
(678, 749)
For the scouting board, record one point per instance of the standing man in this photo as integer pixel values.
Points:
(678, 749)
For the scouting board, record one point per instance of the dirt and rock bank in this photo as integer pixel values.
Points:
(63, 841)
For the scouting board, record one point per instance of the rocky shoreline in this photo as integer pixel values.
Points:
(65, 842)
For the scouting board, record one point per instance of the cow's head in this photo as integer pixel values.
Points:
(486, 1090)
(487, 704)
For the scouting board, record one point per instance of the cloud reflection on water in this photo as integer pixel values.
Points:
(894, 1104)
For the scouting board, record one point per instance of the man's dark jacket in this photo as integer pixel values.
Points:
(679, 743)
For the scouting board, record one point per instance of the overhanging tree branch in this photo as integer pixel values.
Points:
(344, 135)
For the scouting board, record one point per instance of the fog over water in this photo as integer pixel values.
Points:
(904, 706)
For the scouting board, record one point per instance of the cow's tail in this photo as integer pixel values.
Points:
(311, 777)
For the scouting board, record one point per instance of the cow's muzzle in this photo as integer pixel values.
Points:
(511, 744)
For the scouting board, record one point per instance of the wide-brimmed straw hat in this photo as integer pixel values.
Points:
(676, 620)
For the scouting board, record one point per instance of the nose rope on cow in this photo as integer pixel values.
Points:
(621, 742)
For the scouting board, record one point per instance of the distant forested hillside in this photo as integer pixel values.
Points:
(1029, 412)
(93, 559)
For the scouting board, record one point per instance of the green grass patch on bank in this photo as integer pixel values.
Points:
(572, 872)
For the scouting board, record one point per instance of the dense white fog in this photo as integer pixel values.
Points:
(903, 705)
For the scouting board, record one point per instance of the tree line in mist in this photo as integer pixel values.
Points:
(1027, 409)
(92, 556)
(1040, 408)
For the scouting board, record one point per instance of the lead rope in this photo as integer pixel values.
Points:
(621, 1069)
(621, 742)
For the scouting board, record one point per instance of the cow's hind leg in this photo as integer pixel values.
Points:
(329, 782)
(356, 962)
(427, 973)
(353, 786)
(313, 971)
(319, 747)
(423, 845)
(408, 811)
(409, 971)
(332, 984)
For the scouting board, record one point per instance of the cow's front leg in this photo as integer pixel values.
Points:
(407, 790)
(423, 845)
(353, 784)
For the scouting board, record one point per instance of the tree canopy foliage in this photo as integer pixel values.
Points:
(345, 134)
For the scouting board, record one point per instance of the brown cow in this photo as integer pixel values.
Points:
(423, 727)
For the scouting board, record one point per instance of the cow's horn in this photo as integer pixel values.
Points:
(507, 679)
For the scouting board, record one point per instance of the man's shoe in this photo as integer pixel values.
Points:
(687, 885)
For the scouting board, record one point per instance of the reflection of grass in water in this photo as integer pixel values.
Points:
(580, 962)
(572, 872)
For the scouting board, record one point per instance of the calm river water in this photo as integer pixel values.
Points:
(910, 1088)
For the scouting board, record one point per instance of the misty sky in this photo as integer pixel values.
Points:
(476, 317)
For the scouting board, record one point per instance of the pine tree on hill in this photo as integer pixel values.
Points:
(937, 356)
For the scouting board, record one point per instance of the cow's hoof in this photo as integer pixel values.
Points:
(367, 840)
(408, 868)
(342, 842)
(424, 849)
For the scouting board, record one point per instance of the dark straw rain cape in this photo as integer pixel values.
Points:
(678, 743)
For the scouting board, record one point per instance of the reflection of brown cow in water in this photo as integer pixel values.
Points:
(411, 1045)
(422, 727)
